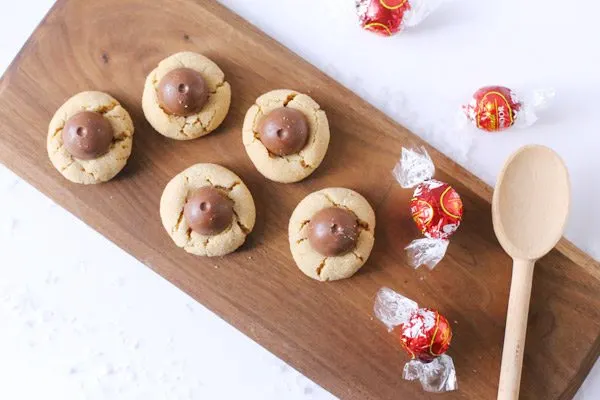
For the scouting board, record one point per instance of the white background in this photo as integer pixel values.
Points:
(95, 323)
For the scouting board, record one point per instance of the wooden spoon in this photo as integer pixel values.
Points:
(529, 211)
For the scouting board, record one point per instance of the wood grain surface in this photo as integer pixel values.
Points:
(325, 330)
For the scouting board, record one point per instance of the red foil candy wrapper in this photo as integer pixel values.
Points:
(496, 108)
(383, 17)
(387, 17)
(425, 334)
(435, 207)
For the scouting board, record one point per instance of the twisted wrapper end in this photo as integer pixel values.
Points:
(419, 10)
(426, 251)
(531, 103)
(392, 308)
(415, 167)
(437, 376)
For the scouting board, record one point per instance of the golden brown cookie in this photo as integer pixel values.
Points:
(86, 158)
(292, 167)
(200, 123)
(316, 261)
(184, 187)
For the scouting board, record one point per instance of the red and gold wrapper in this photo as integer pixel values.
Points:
(387, 17)
(436, 208)
(493, 108)
(383, 17)
(496, 108)
(425, 334)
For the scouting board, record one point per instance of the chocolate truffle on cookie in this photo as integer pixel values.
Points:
(182, 92)
(207, 210)
(286, 135)
(186, 96)
(283, 131)
(331, 233)
(87, 135)
(90, 138)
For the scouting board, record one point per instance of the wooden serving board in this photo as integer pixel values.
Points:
(325, 330)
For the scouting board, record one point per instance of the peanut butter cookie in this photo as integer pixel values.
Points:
(286, 135)
(90, 138)
(331, 233)
(207, 210)
(186, 96)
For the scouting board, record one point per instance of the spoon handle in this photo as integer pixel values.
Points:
(516, 328)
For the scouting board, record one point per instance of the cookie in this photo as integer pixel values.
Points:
(284, 166)
(90, 138)
(331, 233)
(195, 206)
(186, 96)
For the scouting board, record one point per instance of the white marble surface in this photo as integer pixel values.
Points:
(97, 324)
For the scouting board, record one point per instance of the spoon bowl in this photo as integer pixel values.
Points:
(529, 211)
(531, 202)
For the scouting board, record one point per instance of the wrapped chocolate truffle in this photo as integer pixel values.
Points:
(387, 17)
(425, 334)
(435, 207)
(496, 108)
